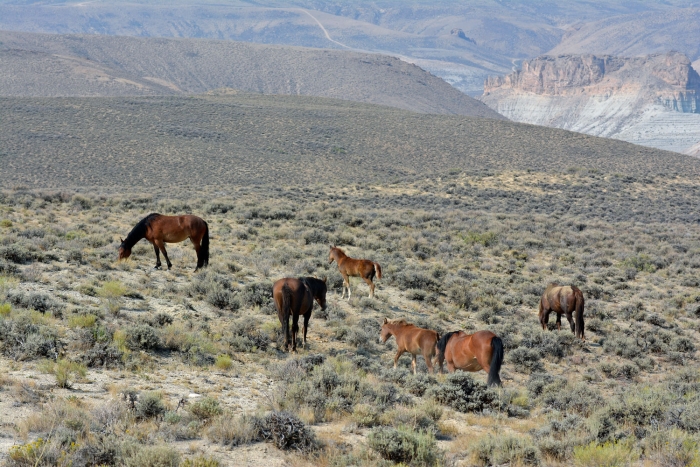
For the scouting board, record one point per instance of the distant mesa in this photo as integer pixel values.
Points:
(459, 33)
(653, 100)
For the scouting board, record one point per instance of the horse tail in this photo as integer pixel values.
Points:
(442, 345)
(204, 248)
(578, 318)
(378, 270)
(496, 362)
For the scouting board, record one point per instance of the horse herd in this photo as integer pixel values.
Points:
(295, 297)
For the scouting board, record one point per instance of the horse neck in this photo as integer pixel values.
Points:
(136, 234)
(339, 254)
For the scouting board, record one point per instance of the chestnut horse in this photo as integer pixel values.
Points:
(472, 352)
(563, 300)
(348, 267)
(412, 339)
(296, 297)
(159, 230)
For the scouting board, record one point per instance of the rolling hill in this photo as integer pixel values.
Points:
(93, 65)
(244, 139)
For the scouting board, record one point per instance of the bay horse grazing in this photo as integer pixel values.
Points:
(482, 350)
(348, 267)
(294, 297)
(566, 300)
(412, 339)
(159, 230)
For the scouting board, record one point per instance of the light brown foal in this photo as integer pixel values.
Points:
(482, 350)
(348, 267)
(412, 339)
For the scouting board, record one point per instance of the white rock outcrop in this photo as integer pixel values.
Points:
(652, 100)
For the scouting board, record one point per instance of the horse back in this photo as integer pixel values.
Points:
(415, 339)
(357, 267)
(301, 298)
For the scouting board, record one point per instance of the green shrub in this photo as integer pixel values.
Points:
(257, 294)
(206, 408)
(142, 337)
(611, 454)
(149, 405)
(223, 362)
(152, 456)
(405, 445)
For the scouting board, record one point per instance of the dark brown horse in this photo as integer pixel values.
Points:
(348, 267)
(412, 339)
(159, 230)
(294, 297)
(482, 350)
(566, 300)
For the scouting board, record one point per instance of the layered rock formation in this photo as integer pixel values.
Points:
(652, 100)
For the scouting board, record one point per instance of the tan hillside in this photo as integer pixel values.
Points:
(91, 65)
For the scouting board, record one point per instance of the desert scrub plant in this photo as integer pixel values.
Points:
(416, 448)
(672, 447)
(35, 453)
(508, 449)
(82, 320)
(463, 393)
(206, 408)
(234, 430)
(149, 405)
(201, 461)
(111, 293)
(65, 371)
(137, 455)
(610, 454)
(27, 335)
(223, 362)
(142, 337)
(287, 432)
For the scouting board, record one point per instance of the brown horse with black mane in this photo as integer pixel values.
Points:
(412, 339)
(566, 300)
(472, 352)
(348, 266)
(294, 297)
(159, 230)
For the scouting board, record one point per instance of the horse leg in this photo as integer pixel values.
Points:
(161, 246)
(544, 320)
(371, 286)
(197, 246)
(306, 325)
(414, 364)
(450, 367)
(295, 330)
(158, 265)
(428, 360)
(346, 283)
(571, 322)
(396, 358)
(558, 322)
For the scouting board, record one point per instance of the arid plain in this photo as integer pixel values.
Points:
(113, 363)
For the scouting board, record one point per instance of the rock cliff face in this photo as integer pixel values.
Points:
(652, 100)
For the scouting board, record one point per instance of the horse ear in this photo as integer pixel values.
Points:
(325, 279)
(121, 240)
(386, 320)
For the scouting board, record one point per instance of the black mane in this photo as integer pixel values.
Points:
(316, 286)
(442, 343)
(139, 231)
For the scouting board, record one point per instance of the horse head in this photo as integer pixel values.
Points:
(331, 254)
(385, 333)
(124, 252)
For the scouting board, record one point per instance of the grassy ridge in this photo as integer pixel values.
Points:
(229, 140)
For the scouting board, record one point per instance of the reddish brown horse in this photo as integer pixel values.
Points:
(411, 339)
(348, 267)
(159, 230)
(566, 300)
(294, 297)
(472, 352)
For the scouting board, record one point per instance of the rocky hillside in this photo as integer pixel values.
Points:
(45, 65)
(652, 100)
